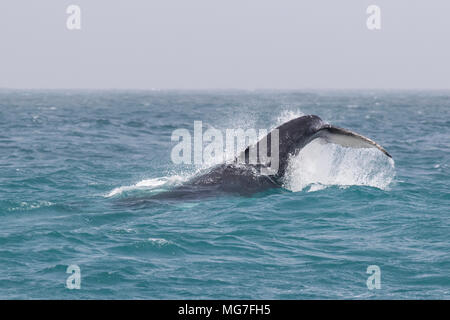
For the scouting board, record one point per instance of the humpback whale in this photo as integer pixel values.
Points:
(245, 178)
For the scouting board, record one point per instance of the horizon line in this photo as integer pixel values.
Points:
(218, 89)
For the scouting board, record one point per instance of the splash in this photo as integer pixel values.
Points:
(287, 115)
(321, 164)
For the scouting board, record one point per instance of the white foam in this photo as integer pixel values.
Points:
(320, 165)
(149, 184)
(31, 205)
(159, 241)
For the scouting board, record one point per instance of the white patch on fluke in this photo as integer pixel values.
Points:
(319, 165)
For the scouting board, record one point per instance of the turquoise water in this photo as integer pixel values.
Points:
(70, 160)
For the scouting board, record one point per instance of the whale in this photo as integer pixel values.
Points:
(241, 176)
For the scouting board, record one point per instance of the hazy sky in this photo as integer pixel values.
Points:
(292, 44)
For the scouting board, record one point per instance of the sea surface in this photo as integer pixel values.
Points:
(72, 161)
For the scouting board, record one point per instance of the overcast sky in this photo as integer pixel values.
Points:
(247, 44)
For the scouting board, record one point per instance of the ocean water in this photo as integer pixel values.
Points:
(70, 160)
